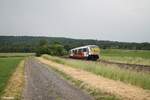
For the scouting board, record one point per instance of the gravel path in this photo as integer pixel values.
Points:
(43, 83)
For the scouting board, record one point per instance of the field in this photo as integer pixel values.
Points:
(141, 57)
(9, 62)
(16, 54)
(7, 67)
(112, 72)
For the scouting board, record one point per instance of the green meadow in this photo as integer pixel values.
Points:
(7, 67)
(126, 56)
(16, 54)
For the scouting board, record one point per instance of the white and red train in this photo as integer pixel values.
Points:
(89, 52)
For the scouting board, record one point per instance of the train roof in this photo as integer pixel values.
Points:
(86, 46)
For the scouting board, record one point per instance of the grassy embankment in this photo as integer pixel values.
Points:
(7, 67)
(126, 56)
(138, 79)
(96, 93)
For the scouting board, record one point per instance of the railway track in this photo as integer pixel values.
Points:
(135, 67)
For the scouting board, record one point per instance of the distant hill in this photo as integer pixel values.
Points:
(29, 43)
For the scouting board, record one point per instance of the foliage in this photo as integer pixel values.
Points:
(42, 48)
(57, 49)
(113, 72)
(29, 44)
(54, 49)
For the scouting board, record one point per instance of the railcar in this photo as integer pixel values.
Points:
(89, 52)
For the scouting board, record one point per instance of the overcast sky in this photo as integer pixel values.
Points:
(119, 20)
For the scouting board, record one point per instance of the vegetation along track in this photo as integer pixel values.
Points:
(136, 67)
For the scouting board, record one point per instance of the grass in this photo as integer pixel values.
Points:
(15, 84)
(126, 56)
(97, 94)
(128, 60)
(16, 54)
(7, 67)
(126, 53)
(138, 79)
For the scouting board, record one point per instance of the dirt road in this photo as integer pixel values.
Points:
(43, 83)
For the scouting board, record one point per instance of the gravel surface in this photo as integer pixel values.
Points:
(42, 83)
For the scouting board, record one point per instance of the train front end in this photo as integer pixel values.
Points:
(94, 52)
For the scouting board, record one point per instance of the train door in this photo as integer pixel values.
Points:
(85, 52)
(80, 53)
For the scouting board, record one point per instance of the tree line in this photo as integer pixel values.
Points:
(59, 46)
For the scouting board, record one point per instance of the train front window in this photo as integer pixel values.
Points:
(95, 49)
(94, 46)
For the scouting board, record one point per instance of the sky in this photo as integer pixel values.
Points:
(116, 20)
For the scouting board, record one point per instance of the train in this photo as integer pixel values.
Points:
(89, 52)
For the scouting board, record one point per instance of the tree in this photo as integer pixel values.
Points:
(42, 48)
(57, 49)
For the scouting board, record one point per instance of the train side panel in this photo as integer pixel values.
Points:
(86, 52)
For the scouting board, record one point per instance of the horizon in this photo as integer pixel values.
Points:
(68, 38)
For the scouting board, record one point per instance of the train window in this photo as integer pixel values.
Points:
(95, 48)
(75, 51)
(80, 50)
(84, 49)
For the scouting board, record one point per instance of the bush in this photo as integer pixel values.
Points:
(55, 49)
